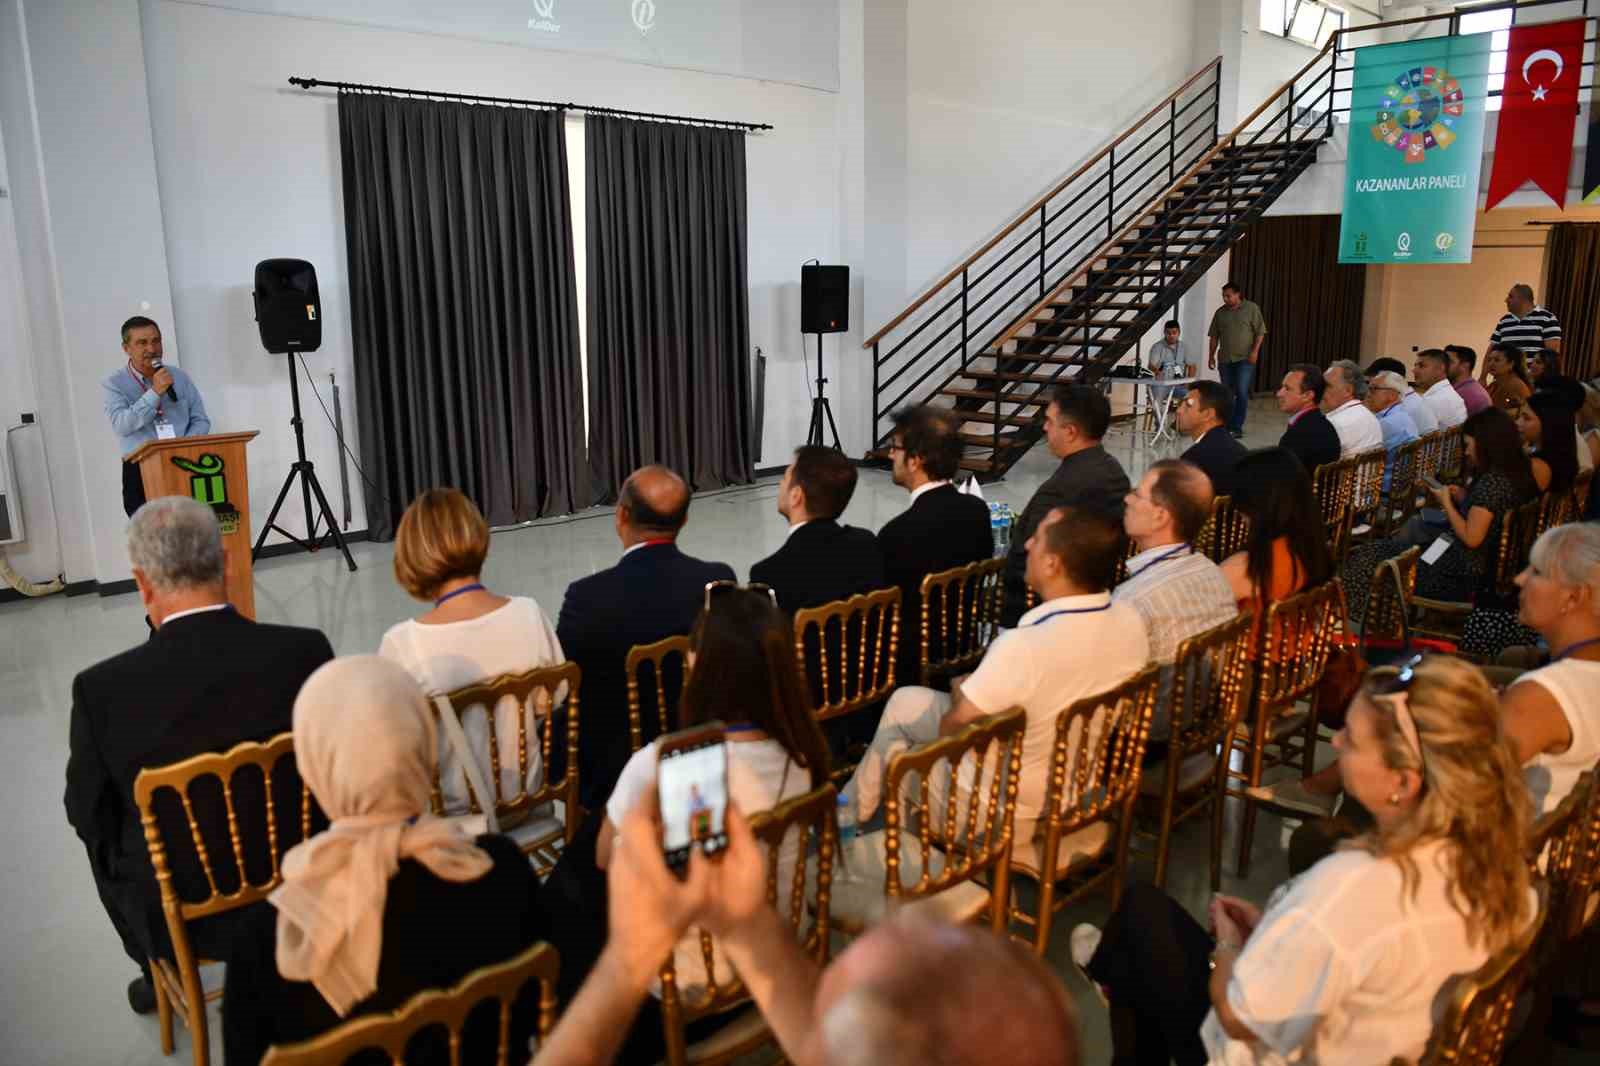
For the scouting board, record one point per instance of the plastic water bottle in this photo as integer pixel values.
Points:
(847, 821)
(1006, 520)
(997, 527)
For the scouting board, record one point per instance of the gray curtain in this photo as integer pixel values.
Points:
(668, 304)
(463, 306)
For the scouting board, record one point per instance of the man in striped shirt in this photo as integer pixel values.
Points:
(1526, 325)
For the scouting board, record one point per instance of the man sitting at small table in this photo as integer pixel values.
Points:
(146, 400)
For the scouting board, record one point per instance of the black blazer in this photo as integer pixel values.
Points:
(1091, 478)
(1312, 439)
(202, 683)
(653, 592)
(944, 528)
(1216, 453)
(822, 561)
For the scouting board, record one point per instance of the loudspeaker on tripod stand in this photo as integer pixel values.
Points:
(824, 308)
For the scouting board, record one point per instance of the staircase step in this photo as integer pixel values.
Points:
(1005, 420)
(988, 397)
(1094, 323)
(1030, 379)
(977, 466)
(986, 440)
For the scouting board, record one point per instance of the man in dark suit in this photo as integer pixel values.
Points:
(1310, 436)
(943, 527)
(821, 561)
(206, 680)
(1074, 422)
(1203, 417)
(654, 591)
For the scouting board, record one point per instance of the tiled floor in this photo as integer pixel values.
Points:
(62, 999)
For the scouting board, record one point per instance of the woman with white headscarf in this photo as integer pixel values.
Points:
(388, 901)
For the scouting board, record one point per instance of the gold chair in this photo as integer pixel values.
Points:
(868, 625)
(1081, 842)
(1481, 1006)
(1400, 503)
(392, 1033)
(1394, 584)
(1225, 532)
(942, 853)
(960, 617)
(1553, 828)
(1206, 699)
(1573, 864)
(1296, 637)
(806, 821)
(1130, 548)
(1330, 484)
(177, 982)
(1366, 490)
(529, 818)
(1431, 454)
(657, 656)
(1452, 455)
(1581, 487)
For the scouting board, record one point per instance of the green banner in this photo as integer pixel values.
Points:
(1416, 149)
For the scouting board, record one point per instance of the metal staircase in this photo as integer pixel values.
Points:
(1068, 288)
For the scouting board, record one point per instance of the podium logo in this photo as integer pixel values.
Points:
(206, 484)
(644, 14)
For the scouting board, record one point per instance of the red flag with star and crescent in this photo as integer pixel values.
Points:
(1539, 107)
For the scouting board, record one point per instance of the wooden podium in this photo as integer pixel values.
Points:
(213, 470)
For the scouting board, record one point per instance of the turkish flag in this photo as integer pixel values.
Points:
(1538, 109)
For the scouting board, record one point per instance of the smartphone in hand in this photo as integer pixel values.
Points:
(692, 786)
(1433, 483)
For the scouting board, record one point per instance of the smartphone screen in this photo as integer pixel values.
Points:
(692, 782)
(1432, 482)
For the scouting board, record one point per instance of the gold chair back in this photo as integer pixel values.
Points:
(1225, 532)
(1389, 597)
(977, 845)
(1573, 863)
(855, 642)
(665, 683)
(960, 617)
(450, 1008)
(1555, 825)
(1581, 487)
(1331, 484)
(1130, 548)
(177, 983)
(542, 689)
(1405, 472)
(1430, 454)
(1366, 485)
(1518, 530)
(1452, 454)
(1481, 1006)
(1095, 767)
(807, 822)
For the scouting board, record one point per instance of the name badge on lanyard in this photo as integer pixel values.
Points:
(165, 430)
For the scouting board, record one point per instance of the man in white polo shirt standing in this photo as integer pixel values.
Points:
(1075, 643)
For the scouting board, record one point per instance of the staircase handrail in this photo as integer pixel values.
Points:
(1032, 209)
(1121, 236)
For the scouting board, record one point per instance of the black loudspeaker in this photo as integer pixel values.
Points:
(824, 299)
(288, 312)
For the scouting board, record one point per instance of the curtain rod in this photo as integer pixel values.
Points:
(312, 83)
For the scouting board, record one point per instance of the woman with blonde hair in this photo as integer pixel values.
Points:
(1346, 961)
(470, 635)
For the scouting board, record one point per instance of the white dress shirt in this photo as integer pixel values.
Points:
(929, 487)
(1446, 404)
(1357, 427)
(1422, 416)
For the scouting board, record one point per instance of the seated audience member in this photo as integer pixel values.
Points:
(1548, 428)
(744, 674)
(1288, 547)
(1462, 363)
(1421, 415)
(1508, 378)
(207, 679)
(1178, 592)
(1309, 436)
(390, 900)
(1342, 397)
(1542, 363)
(1089, 477)
(1552, 714)
(1501, 482)
(873, 1006)
(1432, 373)
(1589, 426)
(943, 528)
(653, 592)
(1203, 418)
(471, 635)
(1383, 400)
(821, 560)
(1346, 962)
(1076, 643)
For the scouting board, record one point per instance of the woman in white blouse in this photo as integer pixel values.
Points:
(1347, 960)
(470, 635)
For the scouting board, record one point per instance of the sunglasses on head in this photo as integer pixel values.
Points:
(1398, 688)
(714, 588)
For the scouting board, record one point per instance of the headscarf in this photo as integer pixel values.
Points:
(365, 744)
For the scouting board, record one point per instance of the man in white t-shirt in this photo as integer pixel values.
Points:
(1075, 643)
(1357, 427)
(1431, 372)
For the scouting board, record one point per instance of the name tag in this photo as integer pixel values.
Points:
(165, 430)
(1436, 550)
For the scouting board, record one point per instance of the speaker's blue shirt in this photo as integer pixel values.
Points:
(133, 407)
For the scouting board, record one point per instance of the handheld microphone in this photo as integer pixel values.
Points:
(172, 390)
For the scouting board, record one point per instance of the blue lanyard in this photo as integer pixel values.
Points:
(740, 727)
(1068, 610)
(453, 593)
(1570, 648)
(1158, 560)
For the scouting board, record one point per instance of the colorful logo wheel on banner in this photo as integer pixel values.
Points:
(1418, 112)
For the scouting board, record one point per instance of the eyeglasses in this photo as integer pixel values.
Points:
(1397, 688)
(715, 587)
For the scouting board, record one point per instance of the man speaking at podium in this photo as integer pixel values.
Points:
(148, 401)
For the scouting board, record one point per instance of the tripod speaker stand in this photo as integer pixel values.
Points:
(309, 486)
(820, 409)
